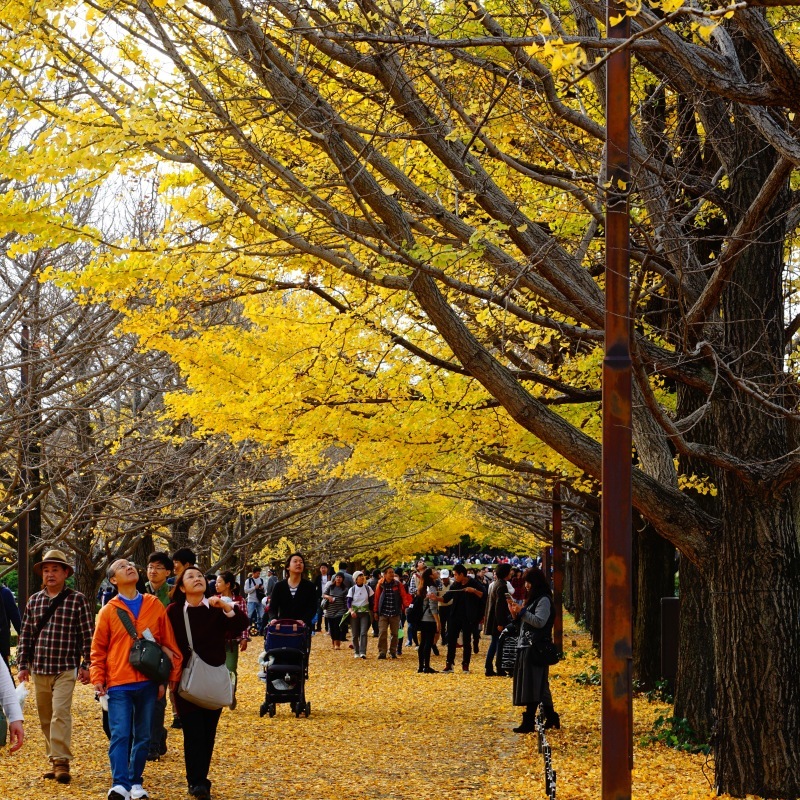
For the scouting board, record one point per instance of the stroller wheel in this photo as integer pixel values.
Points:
(254, 631)
(271, 709)
(293, 706)
(308, 710)
(262, 709)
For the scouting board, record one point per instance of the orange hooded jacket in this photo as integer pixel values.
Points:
(111, 643)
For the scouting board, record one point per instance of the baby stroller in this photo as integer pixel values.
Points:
(286, 649)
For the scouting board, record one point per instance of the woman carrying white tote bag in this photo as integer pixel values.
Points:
(200, 626)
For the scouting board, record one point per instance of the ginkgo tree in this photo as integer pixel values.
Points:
(429, 179)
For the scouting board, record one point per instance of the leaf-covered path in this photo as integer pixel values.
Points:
(378, 731)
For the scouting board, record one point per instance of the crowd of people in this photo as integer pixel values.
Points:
(192, 617)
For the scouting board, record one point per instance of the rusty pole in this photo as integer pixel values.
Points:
(23, 526)
(616, 645)
(558, 570)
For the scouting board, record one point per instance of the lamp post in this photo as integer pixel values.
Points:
(616, 634)
(23, 526)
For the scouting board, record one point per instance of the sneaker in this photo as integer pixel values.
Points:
(363, 655)
(138, 791)
(381, 656)
(356, 655)
(448, 668)
(393, 655)
(465, 669)
(176, 720)
(118, 793)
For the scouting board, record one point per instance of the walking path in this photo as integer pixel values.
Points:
(377, 731)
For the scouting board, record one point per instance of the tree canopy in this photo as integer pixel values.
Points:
(381, 213)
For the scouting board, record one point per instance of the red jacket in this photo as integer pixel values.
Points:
(405, 597)
(111, 643)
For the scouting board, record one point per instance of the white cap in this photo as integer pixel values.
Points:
(445, 573)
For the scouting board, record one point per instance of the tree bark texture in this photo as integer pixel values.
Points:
(655, 578)
(694, 685)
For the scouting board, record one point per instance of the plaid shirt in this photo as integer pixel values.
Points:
(64, 642)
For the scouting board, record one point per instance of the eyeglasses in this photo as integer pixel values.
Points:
(157, 566)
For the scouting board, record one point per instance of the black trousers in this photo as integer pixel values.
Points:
(199, 733)
(444, 616)
(158, 733)
(427, 632)
(454, 627)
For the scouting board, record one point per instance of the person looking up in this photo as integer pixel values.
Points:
(131, 695)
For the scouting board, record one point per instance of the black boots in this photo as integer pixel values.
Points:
(551, 718)
(528, 723)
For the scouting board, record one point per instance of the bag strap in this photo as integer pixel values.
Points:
(55, 603)
(188, 627)
(126, 621)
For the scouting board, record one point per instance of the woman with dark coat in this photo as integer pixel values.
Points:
(295, 597)
(210, 620)
(497, 617)
(531, 683)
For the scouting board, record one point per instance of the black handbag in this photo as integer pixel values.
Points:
(544, 653)
(147, 657)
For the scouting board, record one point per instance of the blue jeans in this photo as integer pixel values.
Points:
(259, 610)
(492, 654)
(130, 711)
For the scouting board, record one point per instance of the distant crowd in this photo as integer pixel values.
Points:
(157, 631)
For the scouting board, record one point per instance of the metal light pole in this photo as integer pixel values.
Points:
(616, 645)
(23, 526)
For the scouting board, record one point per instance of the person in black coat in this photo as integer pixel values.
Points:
(497, 617)
(210, 621)
(295, 597)
(469, 598)
(9, 615)
(531, 679)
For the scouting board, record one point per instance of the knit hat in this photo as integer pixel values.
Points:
(356, 574)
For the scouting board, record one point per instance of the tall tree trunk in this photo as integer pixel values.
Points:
(755, 600)
(694, 685)
(655, 579)
(591, 584)
(755, 572)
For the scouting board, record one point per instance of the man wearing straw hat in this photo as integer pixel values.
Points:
(54, 650)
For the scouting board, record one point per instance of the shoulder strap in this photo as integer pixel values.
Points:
(55, 603)
(126, 621)
(188, 627)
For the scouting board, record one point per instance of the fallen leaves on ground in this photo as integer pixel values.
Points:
(379, 730)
